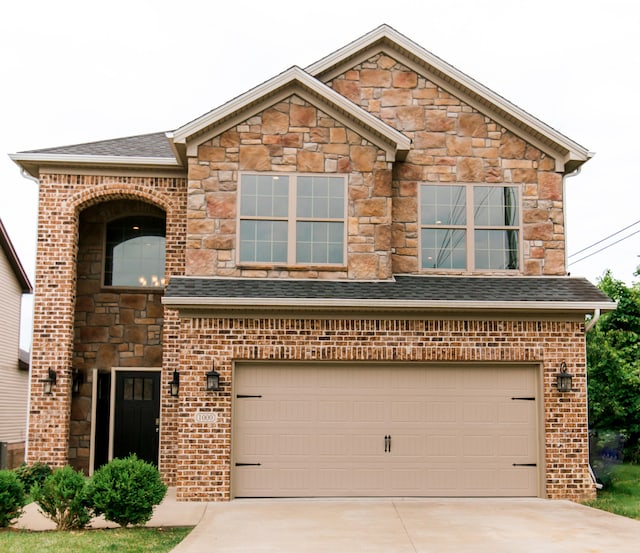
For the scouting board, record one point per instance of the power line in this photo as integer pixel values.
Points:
(604, 239)
(606, 247)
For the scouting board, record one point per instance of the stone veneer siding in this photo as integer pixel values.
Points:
(204, 450)
(453, 143)
(291, 136)
(62, 199)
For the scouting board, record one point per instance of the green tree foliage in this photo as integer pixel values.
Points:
(613, 354)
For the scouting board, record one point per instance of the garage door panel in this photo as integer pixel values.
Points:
(454, 431)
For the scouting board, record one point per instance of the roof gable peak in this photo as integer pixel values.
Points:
(294, 80)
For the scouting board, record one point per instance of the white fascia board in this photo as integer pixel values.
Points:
(334, 303)
(292, 76)
(67, 159)
(469, 85)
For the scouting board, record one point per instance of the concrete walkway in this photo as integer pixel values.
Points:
(386, 526)
(410, 526)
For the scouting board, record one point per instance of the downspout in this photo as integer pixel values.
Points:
(26, 175)
(587, 328)
(573, 173)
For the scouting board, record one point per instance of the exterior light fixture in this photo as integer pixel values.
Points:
(564, 379)
(174, 385)
(77, 380)
(213, 381)
(49, 382)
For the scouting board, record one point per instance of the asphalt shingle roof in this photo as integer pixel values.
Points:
(403, 289)
(144, 145)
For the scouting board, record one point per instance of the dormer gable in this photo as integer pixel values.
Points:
(293, 81)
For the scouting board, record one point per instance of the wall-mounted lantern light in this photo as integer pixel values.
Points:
(77, 379)
(174, 385)
(564, 380)
(213, 381)
(49, 382)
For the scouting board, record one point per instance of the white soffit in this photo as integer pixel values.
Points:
(568, 154)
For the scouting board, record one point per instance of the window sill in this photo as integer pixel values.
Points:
(271, 267)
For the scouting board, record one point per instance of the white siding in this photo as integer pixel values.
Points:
(13, 382)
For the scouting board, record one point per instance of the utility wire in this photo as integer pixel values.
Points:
(600, 241)
(606, 247)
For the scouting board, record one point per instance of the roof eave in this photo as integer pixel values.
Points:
(186, 303)
(32, 162)
(14, 261)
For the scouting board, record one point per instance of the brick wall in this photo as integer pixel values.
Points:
(62, 199)
(203, 472)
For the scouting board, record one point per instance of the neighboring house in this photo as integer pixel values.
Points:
(369, 254)
(14, 362)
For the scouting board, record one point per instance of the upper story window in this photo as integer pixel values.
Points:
(292, 219)
(135, 252)
(475, 227)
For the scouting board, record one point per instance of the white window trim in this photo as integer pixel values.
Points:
(291, 220)
(470, 228)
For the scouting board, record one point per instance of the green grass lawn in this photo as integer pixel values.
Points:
(122, 540)
(622, 495)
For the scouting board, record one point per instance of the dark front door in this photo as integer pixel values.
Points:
(137, 412)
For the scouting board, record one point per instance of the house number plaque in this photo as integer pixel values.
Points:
(207, 418)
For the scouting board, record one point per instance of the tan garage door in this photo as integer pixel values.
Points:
(325, 430)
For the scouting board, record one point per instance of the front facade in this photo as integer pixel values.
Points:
(369, 254)
(14, 363)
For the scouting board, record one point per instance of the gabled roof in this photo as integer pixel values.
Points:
(407, 293)
(14, 261)
(569, 154)
(167, 152)
(298, 82)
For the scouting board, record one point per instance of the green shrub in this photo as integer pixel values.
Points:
(32, 474)
(12, 498)
(62, 498)
(126, 490)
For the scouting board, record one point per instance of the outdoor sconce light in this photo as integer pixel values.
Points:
(174, 385)
(76, 381)
(564, 379)
(49, 382)
(213, 381)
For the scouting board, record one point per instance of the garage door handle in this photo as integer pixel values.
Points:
(248, 465)
(525, 464)
(387, 444)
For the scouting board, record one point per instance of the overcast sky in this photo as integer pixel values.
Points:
(79, 71)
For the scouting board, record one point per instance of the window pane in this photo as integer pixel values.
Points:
(443, 205)
(496, 206)
(444, 249)
(135, 252)
(264, 196)
(263, 241)
(320, 197)
(496, 249)
(319, 242)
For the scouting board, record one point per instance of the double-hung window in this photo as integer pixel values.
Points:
(292, 219)
(470, 227)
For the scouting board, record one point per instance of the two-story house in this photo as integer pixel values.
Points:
(348, 281)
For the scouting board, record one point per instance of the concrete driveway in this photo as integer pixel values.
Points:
(409, 526)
